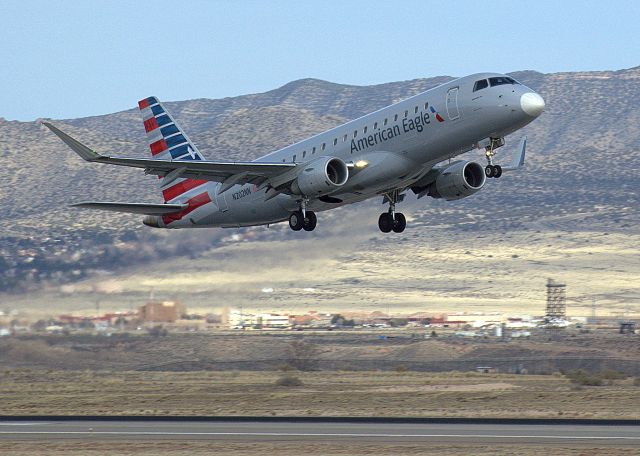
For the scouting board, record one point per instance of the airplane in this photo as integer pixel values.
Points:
(407, 146)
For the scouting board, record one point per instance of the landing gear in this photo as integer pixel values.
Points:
(303, 219)
(385, 222)
(299, 222)
(492, 170)
(399, 223)
(309, 222)
(296, 221)
(392, 220)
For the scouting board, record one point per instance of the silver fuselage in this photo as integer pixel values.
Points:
(401, 144)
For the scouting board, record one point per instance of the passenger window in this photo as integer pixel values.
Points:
(313, 151)
(406, 114)
(416, 110)
(426, 105)
(344, 138)
(375, 126)
(395, 118)
(355, 133)
(385, 122)
(323, 146)
(294, 158)
(479, 85)
(304, 153)
(364, 130)
(335, 141)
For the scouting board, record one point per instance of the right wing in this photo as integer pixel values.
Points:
(134, 208)
(229, 173)
(518, 157)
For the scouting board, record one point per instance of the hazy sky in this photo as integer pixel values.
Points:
(65, 59)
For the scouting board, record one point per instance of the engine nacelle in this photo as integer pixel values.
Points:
(321, 177)
(458, 181)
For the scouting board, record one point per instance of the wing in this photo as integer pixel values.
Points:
(518, 157)
(134, 208)
(229, 173)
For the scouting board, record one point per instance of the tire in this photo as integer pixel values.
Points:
(400, 223)
(498, 171)
(489, 171)
(385, 222)
(295, 221)
(309, 223)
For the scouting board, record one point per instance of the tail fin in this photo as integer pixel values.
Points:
(168, 141)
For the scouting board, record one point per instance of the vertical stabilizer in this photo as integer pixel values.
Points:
(169, 142)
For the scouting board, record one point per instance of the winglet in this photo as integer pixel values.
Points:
(518, 158)
(74, 144)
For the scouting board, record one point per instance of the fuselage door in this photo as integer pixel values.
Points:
(452, 104)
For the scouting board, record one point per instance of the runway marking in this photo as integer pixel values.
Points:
(290, 434)
(23, 424)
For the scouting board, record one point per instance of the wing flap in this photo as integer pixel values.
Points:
(133, 208)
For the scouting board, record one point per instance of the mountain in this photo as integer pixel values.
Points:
(581, 174)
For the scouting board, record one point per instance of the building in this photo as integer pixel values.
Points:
(161, 312)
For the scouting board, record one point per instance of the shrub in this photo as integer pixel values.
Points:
(401, 368)
(288, 380)
(613, 375)
(580, 377)
(636, 381)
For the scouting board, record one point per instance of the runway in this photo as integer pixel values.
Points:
(258, 431)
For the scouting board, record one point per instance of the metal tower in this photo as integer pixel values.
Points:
(556, 300)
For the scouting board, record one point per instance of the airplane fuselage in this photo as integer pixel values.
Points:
(399, 143)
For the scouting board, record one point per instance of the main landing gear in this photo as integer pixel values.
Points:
(392, 220)
(492, 170)
(303, 219)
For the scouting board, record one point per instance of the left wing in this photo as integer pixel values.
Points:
(229, 173)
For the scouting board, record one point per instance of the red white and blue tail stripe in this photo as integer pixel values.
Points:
(166, 139)
(169, 142)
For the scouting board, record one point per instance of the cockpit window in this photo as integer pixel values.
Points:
(481, 84)
(501, 80)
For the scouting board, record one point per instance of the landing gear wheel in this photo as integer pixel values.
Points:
(490, 171)
(399, 223)
(310, 221)
(296, 221)
(385, 222)
(498, 172)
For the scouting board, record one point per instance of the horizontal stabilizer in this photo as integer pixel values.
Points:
(134, 208)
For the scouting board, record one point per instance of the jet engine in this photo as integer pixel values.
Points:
(321, 177)
(459, 180)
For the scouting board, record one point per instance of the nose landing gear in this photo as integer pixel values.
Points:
(492, 170)
(392, 220)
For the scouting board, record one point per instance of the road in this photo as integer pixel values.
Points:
(591, 435)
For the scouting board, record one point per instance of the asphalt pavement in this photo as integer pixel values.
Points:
(259, 431)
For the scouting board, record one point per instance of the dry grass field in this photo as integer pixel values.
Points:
(178, 448)
(451, 394)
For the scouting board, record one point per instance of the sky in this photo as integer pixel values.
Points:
(67, 59)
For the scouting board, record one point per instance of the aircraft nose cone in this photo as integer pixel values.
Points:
(532, 104)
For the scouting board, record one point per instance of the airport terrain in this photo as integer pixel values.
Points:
(338, 375)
